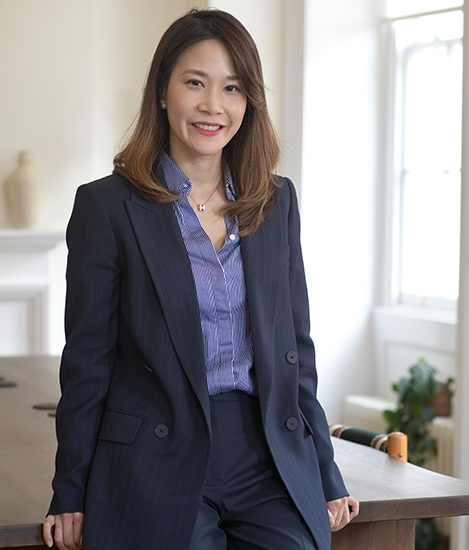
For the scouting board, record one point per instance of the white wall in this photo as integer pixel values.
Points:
(339, 192)
(46, 95)
(72, 74)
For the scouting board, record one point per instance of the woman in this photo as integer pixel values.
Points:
(188, 418)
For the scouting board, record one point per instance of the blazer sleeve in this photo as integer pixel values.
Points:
(91, 324)
(332, 481)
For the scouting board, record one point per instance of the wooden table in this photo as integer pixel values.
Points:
(392, 493)
(27, 446)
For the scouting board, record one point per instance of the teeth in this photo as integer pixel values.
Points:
(206, 127)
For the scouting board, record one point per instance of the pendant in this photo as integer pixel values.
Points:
(201, 207)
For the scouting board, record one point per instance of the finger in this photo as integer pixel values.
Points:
(341, 524)
(59, 534)
(342, 518)
(78, 529)
(354, 507)
(334, 512)
(345, 518)
(69, 533)
(47, 531)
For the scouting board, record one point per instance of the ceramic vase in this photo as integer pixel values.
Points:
(21, 189)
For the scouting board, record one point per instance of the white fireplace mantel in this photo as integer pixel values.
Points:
(24, 239)
(28, 288)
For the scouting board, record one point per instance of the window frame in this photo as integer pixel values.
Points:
(394, 173)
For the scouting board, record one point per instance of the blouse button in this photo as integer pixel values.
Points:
(232, 237)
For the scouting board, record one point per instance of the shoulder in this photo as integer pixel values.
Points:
(284, 209)
(109, 188)
(108, 194)
(286, 196)
(284, 182)
(100, 200)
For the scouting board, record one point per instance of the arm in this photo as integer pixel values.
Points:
(91, 331)
(334, 489)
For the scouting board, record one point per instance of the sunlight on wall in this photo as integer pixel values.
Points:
(338, 193)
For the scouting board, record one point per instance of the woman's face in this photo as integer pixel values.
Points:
(205, 102)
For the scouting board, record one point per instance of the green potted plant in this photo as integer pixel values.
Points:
(421, 397)
(418, 394)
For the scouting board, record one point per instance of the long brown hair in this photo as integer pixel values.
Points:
(252, 154)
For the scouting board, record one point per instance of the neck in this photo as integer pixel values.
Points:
(204, 173)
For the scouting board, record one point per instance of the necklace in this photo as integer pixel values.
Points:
(201, 206)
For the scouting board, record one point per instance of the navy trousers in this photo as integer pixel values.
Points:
(245, 504)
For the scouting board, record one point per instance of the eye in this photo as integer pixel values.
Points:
(232, 88)
(194, 82)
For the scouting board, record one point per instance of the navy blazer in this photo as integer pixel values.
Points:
(133, 423)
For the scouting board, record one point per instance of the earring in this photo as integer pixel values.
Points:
(163, 105)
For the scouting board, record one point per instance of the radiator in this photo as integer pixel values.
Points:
(367, 412)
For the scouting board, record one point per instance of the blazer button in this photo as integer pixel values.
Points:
(292, 357)
(161, 431)
(291, 424)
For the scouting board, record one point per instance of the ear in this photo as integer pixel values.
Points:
(163, 100)
(163, 94)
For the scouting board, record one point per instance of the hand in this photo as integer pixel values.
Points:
(68, 531)
(342, 511)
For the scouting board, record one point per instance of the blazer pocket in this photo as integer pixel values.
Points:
(285, 255)
(306, 423)
(119, 426)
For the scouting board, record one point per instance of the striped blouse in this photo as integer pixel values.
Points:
(221, 291)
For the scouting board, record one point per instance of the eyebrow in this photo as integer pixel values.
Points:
(201, 73)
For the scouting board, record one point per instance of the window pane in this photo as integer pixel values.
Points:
(430, 234)
(429, 70)
(399, 8)
(429, 29)
(433, 103)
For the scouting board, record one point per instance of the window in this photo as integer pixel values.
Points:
(403, 8)
(426, 151)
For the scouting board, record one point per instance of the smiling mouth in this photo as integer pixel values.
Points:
(206, 127)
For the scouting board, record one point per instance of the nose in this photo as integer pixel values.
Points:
(211, 102)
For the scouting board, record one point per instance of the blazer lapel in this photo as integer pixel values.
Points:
(163, 248)
(260, 251)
